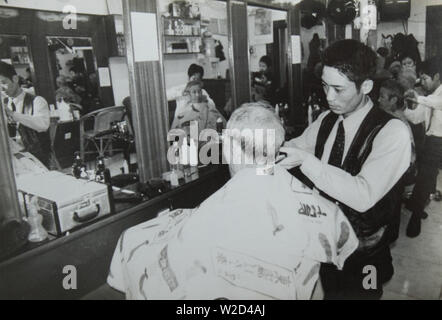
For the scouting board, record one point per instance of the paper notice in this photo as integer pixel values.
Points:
(296, 49)
(104, 76)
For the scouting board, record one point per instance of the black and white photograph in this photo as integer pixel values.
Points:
(221, 154)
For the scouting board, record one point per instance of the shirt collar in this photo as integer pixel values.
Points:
(19, 98)
(353, 121)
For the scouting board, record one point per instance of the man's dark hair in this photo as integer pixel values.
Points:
(266, 60)
(383, 52)
(194, 68)
(7, 70)
(430, 67)
(352, 58)
(405, 55)
(395, 89)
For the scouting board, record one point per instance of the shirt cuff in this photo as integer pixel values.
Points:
(420, 99)
(312, 167)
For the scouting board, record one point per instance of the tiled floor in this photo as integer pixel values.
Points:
(418, 261)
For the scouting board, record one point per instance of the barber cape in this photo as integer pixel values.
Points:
(258, 237)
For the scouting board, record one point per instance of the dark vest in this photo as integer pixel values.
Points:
(36, 143)
(365, 224)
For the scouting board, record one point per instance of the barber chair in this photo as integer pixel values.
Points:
(102, 133)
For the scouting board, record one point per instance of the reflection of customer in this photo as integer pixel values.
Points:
(266, 243)
(194, 72)
(195, 108)
(29, 114)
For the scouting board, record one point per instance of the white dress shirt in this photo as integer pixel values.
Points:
(387, 162)
(39, 120)
(426, 106)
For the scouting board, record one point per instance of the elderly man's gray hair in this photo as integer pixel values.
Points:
(257, 129)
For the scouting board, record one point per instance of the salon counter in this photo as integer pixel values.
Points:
(39, 273)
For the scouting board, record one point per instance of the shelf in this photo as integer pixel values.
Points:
(174, 53)
(181, 36)
(182, 18)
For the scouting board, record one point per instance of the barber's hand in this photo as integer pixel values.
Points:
(411, 99)
(295, 157)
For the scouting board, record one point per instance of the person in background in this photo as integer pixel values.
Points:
(266, 243)
(395, 69)
(194, 73)
(426, 109)
(64, 92)
(77, 82)
(355, 154)
(391, 100)
(27, 115)
(264, 78)
(196, 108)
(408, 62)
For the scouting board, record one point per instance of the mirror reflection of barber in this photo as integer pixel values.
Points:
(27, 115)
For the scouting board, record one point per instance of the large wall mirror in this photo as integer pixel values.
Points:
(74, 72)
(268, 42)
(196, 62)
(71, 121)
(14, 49)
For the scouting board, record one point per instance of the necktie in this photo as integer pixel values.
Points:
(6, 101)
(14, 108)
(337, 151)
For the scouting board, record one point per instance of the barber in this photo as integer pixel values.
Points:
(26, 113)
(355, 154)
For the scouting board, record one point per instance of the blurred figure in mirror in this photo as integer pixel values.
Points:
(64, 92)
(195, 107)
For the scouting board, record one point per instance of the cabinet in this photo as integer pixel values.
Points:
(181, 35)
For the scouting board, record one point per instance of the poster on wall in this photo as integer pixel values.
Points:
(261, 27)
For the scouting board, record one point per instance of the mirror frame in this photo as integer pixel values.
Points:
(51, 72)
(284, 8)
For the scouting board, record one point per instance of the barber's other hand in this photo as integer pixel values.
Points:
(295, 157)
(411, 98)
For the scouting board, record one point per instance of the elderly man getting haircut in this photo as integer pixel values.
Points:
(258, 237)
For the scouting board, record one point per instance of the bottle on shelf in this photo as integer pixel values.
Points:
(193, 150)
(78, 167)
(37, 233)
(99, 170)
(219, 126)
(185, 161)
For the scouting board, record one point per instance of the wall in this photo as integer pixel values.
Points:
(416, 23)
(120, 78)
(96, 7)
(259, 43)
